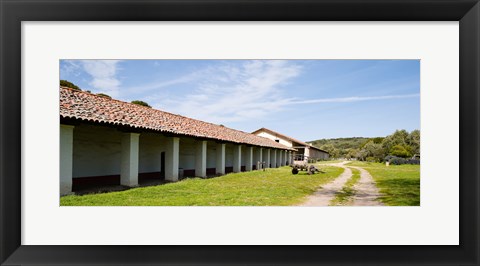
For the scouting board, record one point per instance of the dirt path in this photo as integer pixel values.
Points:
(366, 191)
(326, 193)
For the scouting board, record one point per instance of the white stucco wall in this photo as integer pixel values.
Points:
(318, 154)
(272, 137)
(211, 154)
(229, 155)
(244, 156)
(256, 155)
(96, 151)
(187, 154)
(307, 151)
(66, 158)
(151, 147)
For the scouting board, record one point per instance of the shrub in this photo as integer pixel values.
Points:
(104, 95)
(413, 161)
(388, 158)
(142, 103)
(371, 159)
(399, 161)
(66, 83)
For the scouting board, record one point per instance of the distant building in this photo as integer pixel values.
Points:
(109, 142)
(304, 151)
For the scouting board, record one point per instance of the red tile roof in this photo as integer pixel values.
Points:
(89, 107)
(286, 137)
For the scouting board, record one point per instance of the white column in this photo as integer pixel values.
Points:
(248, 158)
(201, 158)
(66, 159)
(259, 158)
(279, 158)
(129, 168)
(274, 158)
(290, 158)
(220, 165)
(267, 158)
(306, 154)
(237, 158)
(172, 157)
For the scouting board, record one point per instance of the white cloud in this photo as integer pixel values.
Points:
(70, 67)
(161, 84)
(233, 92)
(103, 74)
(353, 99)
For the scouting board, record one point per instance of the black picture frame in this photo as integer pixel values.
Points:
(13, 12)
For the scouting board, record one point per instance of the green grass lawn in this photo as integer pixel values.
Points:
(274, 187)
(345, 196)
(328, 162)
(399, 184)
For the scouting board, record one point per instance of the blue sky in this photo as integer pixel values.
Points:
(305, 99)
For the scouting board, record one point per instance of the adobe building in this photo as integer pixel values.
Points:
(304, 152)
(107, 141)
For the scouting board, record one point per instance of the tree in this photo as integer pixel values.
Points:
(402, 144)
(361, 155)
(142, 103)
(376, 148)
(414, 141)
(373, 150)
(66, 83)
(331, 150)
(399, 137)
(400, 151)
(377, 140)
(351, 153)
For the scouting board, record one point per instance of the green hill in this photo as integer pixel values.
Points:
(401, 143)
(342, 147)
(341, 143)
